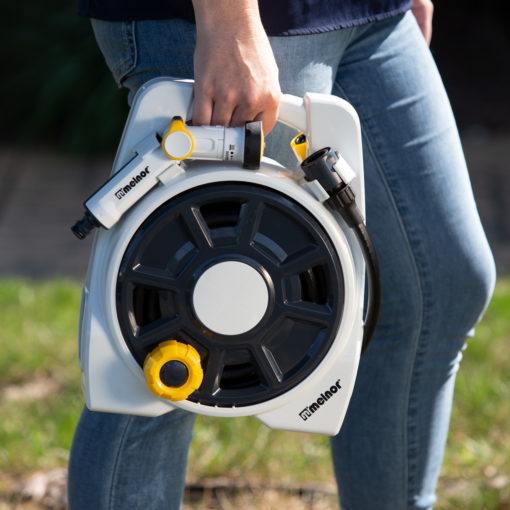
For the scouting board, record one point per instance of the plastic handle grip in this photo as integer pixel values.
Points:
(292, 112)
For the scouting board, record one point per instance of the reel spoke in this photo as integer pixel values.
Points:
(249, 220)
(197, 226)
(211, 382)
(304, 311)
(268, 365)
(150, 277)
(157, 331)
(308, 257)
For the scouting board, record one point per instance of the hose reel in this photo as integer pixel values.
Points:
(225, 290)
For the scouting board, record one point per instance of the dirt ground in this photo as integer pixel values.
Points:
(47, 491)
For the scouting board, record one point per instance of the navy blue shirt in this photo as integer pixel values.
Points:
(279, 17)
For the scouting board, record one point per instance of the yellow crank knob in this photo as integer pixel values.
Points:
(173, 370)
(177, 142)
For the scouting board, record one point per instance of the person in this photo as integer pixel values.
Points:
(436, 267)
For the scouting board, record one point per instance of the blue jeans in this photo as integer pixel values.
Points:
(437, 270)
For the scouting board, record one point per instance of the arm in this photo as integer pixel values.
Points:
(236, 77)
(423, 11)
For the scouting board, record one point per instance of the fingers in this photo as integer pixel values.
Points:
(261, 102)
(253, 107)
(269, 116)
(212, 106)
(230, 107)
(225, 103)
(202, 109)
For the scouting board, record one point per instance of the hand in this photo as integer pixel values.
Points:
(236, 76)
(423, 11)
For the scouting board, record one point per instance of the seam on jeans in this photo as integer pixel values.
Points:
(417, 273)
(129, 63)
(135, 47)
(117, 461)
(353, 30)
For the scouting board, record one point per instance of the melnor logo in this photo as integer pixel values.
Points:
(122, 192)
(323, 398)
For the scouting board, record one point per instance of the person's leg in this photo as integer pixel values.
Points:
(137, 51)
(117, 461)
(436, 266)
(120, 461)
(437, 270)
(390, 458)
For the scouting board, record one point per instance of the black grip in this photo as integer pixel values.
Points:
(253, 145)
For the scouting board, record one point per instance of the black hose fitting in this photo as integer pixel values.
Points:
(320, 166)
(81, 229)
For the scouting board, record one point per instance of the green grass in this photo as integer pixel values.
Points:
(38, 329)
(478, 453)
(242, 447)
(38, 344)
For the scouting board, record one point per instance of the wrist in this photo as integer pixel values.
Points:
(231, 15)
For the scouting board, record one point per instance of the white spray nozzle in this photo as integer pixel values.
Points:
(241, 144)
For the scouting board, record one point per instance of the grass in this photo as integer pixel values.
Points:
(38, 344)
(478, 454)
(40, 402)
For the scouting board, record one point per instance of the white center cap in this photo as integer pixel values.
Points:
(230, 298)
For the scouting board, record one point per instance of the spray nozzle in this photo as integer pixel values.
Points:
(244, 145)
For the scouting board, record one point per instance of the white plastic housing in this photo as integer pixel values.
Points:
(127, 186)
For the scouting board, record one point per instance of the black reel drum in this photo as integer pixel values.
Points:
(179, 280)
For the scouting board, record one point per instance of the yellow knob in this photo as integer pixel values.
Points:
(177, 142)
(298, 146)
(173, 370)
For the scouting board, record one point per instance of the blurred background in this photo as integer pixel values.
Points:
(62, 116)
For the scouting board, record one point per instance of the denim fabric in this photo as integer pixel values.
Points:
(129, 462)
(437, 270)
